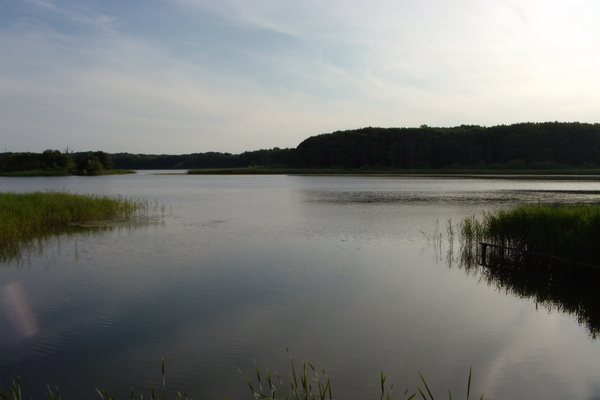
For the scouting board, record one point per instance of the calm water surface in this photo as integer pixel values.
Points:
(341, 270)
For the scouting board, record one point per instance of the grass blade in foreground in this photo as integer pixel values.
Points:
(274, 390)
(426, 386)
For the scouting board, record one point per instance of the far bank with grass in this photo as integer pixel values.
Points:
(587, 174)
(32, 173)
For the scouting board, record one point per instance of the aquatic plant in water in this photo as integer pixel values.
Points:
(570, 232)
(304, 383)
(542, 252)
(25, 217)
(307, 383)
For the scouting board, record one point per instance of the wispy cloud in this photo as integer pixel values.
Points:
(74, 12)
(183, 75)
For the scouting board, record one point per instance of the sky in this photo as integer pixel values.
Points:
(192, 76)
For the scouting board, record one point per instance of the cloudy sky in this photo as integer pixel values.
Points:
(183, 76)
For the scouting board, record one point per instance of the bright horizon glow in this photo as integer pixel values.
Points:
(188, 76)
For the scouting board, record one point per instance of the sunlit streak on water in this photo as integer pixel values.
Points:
(18, 322)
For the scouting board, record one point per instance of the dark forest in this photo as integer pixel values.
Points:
(548, 145)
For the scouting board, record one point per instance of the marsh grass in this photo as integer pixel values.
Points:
(152, 394)
(426, 393)
(435, 238)
(303, 383)
(307, 383)
(25, 217)
(14, 391)
(570, 232)
(547, 253)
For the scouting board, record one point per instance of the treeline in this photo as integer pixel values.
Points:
(54, 162)
(551, 145)
(548, 145)
(275, 157)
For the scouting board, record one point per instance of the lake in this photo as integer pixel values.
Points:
(345, 271)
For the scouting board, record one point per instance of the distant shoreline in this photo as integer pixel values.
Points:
(567, 174)
(37, 173)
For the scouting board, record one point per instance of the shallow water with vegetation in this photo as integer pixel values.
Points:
(571, 232)
(348, 272)
(34, 216)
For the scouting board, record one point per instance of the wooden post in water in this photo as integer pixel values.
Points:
(483, 253)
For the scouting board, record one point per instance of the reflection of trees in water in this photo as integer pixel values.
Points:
(555, 284)
(21, 253)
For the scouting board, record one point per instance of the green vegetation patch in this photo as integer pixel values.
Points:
(570, 232)
(36, 172)
(25, 216)
(55, 163)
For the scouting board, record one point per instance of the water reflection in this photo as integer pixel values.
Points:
(552, 283)
(20, 253)
(16, 315)
(334, 268)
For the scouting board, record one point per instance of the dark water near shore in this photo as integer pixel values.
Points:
(341, 270)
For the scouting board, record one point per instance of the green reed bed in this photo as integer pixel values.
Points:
(25, 216)
(570, 232)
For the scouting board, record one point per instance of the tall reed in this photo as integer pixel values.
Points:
(25, 216)
(307, 383)
(565, 231)
(304, 383)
